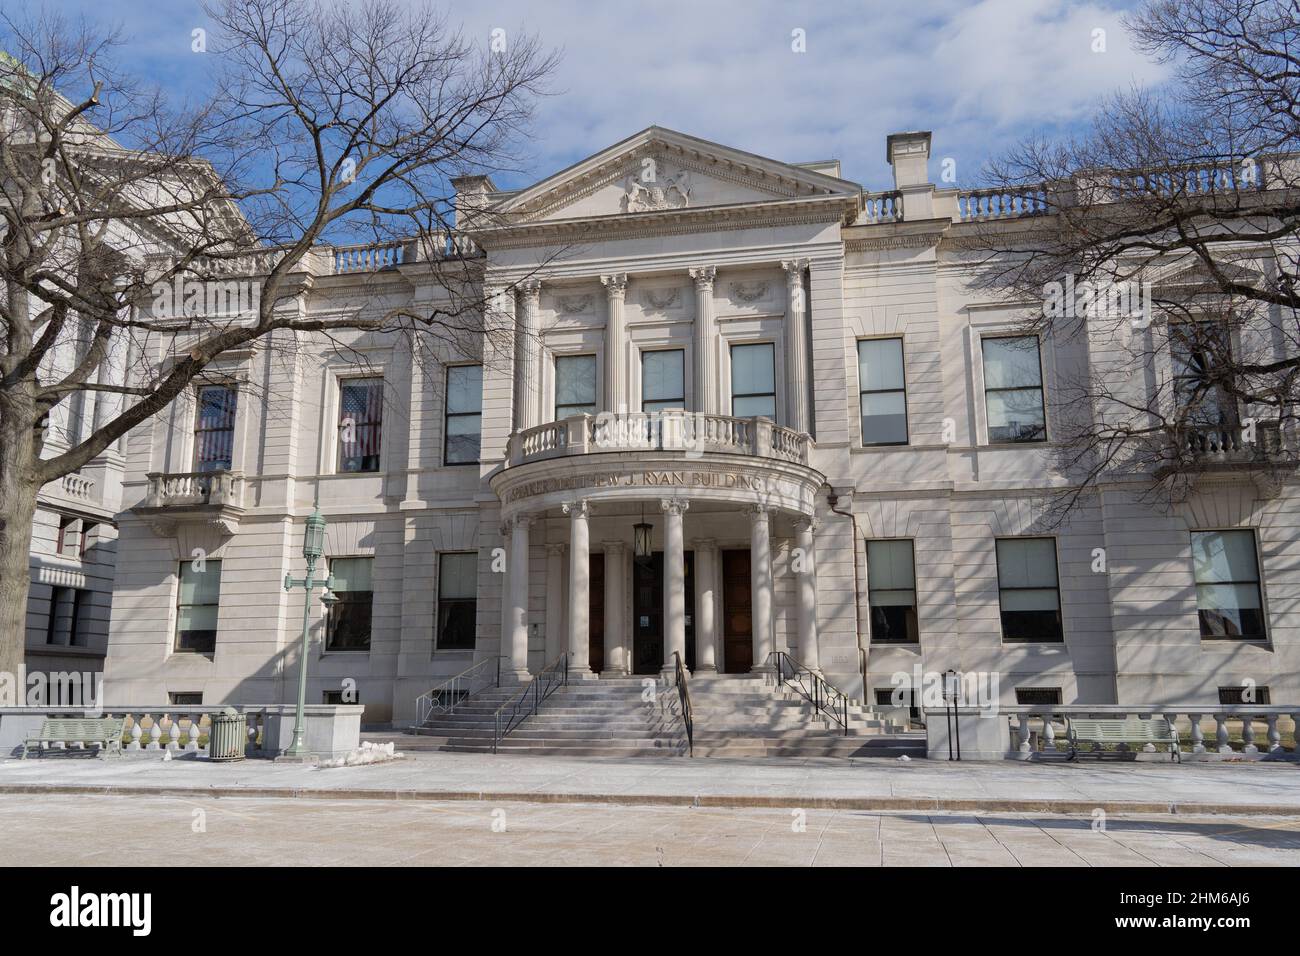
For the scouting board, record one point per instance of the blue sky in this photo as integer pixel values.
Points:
(980, 74)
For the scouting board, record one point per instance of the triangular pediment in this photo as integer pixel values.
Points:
(659, 170)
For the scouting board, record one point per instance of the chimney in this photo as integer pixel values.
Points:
(909, 154)
(473, 193)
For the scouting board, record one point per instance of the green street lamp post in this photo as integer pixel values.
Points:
(313, 546)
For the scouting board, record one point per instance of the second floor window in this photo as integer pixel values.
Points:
(214, 429)
(753, 380)
(361, 411)
(1029, 593)
(464, 425)
(575, 386)
(883, 393)
(347, 624)
(891, 587)
(196, 606)
(1013, 389)
(1200, 351)
(663, 380)
(457, 600)
(69, 621)
(1229, 603)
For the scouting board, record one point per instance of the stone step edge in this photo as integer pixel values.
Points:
(734, 801)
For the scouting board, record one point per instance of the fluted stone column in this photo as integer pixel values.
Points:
(706, 379)
(617, 654)
(615, 343)
(760, 584)
(518, 613)
(796, 345)
(674, 582)
(529, 405)
(579, 588)
(805, 576)
(706, 621)
(555, 601)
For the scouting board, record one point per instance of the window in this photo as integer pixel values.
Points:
(71, 543)
(214, 429)
(186, 698)
(1028, 591)
(575, 386)
(663, 380)
(361, 410)
(1228, 598)
(753, 380)
(1013, 389)
(196, 606)
(1239, 695)
(348, 620)
(1039, 696)
(464, 424)
(891, 592)
(1198, 350)
(68, 624)
(457, 600)
(886, 696)
(882, 392)
(340, 697)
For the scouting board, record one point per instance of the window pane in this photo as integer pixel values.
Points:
(893, 623)
(361, 403)
(214, 433)
(352, 574)
(1026, 562)
(463, 438)
(458, 576)
(1224, 556)
(1016, 416)
(889, 565)
(880, 364)
(753, 406)
(663, 379)
(575, 385)
(200, 587)
(884, 418)
(753, 369)
(464, 389)
(1037, 626)
(1012, 363)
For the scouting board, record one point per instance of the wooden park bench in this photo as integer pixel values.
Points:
(104, 731)
(1123, 730)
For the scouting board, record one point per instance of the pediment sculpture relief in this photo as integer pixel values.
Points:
(674, 192)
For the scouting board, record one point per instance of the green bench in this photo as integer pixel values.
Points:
(104, 731)
(1122, 730)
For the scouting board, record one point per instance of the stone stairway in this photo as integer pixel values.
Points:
(735, 716)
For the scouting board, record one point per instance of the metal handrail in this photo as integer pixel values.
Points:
(832, 702)
(544, 683)
(458, 687)
(684, 698)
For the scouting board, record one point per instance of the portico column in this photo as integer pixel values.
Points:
(706, 625)
(616, 653)
(760, 585)
(529, 408)
(674, 582)
(615, 343)
(519, 526)
(706, 382)
(579, 588)
(796, 345)
(555, 634)
(804, 564)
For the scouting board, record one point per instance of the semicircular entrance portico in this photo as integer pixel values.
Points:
(706, 592)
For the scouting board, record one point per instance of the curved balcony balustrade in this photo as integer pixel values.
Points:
(659, 431)
(214, 497)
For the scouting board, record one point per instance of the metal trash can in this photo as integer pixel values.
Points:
(227, 735)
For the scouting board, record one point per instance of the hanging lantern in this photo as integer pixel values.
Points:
(642, 540)
(313, 539)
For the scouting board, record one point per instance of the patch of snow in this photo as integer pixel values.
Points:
(369, 752)
(904, 758)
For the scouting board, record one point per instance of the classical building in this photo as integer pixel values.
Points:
(740, 406)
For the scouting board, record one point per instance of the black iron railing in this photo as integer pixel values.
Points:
(827, 699)
(684, 698)
(525, 703)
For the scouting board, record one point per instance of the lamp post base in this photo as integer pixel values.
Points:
(289, 756)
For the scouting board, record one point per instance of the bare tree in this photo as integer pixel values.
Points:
(1163, 244)
(326, 123)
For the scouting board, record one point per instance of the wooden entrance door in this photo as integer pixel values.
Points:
(596, 615)
(737, 614)
(648, 613)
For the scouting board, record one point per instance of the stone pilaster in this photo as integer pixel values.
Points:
(615, 343)
(706, 370)
(796, 345)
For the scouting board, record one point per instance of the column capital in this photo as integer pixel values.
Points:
(703, 276)
(529, 288)
(614, 547)
(674, 506)
(794, 268)
(758, 511)
(615, 284)
(581, 508)
(806, 524)
(557, 549)
(522, 520)
(704, 544)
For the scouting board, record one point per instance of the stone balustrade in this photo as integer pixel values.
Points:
(882, 207)
(660, 431)
(78, 486)
(1233, 445)
(975, 205)
(187, 489)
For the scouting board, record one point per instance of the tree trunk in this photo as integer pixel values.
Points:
(18, 489)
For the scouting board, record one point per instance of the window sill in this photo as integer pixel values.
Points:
(1036, 642)
(1237, 641)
